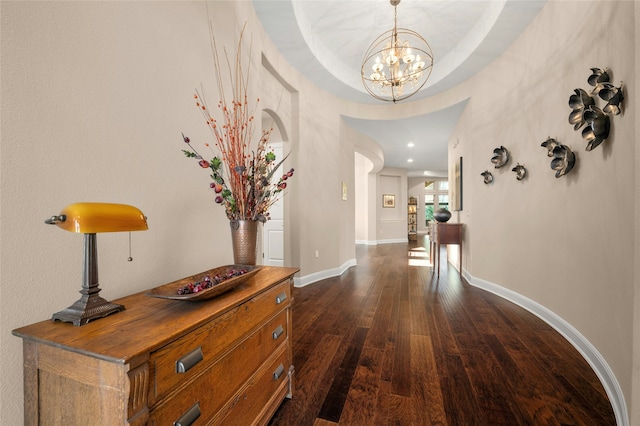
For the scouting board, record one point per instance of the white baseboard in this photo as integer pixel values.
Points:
(366, 242)
(586, 349)
(375, 243)
(321, 275)
(393, 241)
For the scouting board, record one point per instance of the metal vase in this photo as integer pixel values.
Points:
(442, 215)
(244, 234)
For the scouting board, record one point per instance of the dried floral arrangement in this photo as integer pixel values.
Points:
(242, 175)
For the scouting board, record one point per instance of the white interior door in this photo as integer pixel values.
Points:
(273, 230)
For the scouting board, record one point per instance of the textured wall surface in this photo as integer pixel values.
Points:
(94, 96)
(566, 243)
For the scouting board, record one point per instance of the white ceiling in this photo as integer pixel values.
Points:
(326, 41)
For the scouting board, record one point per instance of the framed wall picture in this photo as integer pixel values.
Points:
(388, 200)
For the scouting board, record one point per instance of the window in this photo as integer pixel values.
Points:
(428, 206)
(436, 196)
(443, 201)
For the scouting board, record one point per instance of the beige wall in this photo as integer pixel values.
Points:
(634, 92)
(567, 243)
(362, 167)
(94, 98)
(95, 95)
(391, 225)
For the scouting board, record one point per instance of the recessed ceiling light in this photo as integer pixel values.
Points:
(410, 160)
(410, 145)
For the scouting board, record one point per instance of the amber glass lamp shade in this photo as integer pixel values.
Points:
(90, 219)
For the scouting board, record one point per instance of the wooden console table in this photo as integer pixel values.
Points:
(227, 360)
(443, 233)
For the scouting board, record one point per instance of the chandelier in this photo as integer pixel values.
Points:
(397, 64)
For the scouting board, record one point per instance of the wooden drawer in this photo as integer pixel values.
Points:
(212, 389)
(249, 405)
(196, 352)
(446, 233)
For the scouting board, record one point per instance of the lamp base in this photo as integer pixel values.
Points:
(87, 309)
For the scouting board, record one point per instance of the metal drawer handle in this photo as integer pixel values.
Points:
(277, 332)
(281, 297)
(185, 363)
(189, 417)
(278, 372)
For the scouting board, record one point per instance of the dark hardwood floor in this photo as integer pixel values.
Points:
(388, 343)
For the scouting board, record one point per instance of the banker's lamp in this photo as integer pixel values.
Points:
(89, 219)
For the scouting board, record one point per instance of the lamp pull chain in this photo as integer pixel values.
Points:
(130, 258)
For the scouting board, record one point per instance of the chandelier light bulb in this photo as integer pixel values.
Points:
(408, 56)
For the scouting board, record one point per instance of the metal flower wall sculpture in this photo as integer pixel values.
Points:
(500, 157)
(550, 143)
(586, 112)
(563, 159)
(488, 177)
(520, 170)
(579, 102)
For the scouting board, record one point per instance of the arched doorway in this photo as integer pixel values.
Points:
(273, 237)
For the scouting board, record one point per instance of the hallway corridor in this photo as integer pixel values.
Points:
(389, 343)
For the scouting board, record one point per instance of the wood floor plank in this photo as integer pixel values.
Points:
(370, 304)
(360, 406)
(400, 410)
(334, 403)
(381, 318)
(309, 394)
(322, 422)
(457, 392)
(387, 360)
(383, 403)
(523, 374)
(493, 397)
(401, 377)
(426, 394)
(391, 343)
(443, 335)
(417, 311)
